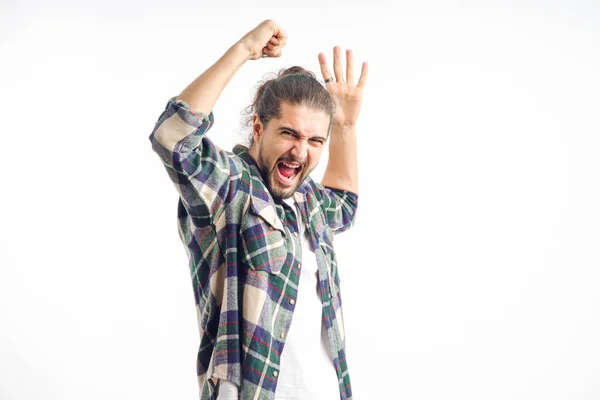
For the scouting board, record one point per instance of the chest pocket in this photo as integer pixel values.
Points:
(263, 238)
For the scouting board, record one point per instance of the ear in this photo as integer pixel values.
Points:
(257, 128)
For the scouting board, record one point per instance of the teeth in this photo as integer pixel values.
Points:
(290, 165)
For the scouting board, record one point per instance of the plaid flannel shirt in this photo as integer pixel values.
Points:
(244, 255)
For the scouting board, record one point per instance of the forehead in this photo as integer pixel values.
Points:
(307, 121)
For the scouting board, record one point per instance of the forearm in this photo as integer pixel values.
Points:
(179, 135)
(203, 92)
(342, 167)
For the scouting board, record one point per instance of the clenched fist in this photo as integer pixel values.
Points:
(267, 38)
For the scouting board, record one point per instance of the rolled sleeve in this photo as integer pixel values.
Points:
(339, 207)
(199, 170)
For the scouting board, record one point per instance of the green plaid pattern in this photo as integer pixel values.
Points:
(244, 255)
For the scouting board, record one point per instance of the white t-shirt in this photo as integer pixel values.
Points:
(306, 368)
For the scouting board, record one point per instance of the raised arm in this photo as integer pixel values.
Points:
(200, 170)
(267, 38)
(342, 167)
(192, 116)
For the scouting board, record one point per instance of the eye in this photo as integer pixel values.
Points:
(288, 133)
(317, 142)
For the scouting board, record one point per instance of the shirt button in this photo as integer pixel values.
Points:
(298, 265)
(275, 373)
(282, 335)
(296, 234)
(292, 301)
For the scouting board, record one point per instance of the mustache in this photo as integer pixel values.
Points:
(291, 160)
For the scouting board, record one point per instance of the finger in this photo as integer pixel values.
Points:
(337, 65)
(277, 52)
(279, 42)
(349, 67)
(363, 75)
(281, 35)
(283, 41)
(324, 68)
(274, 47)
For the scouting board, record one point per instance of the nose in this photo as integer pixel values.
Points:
(300, 150)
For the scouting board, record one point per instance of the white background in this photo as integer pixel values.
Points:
(472, 271)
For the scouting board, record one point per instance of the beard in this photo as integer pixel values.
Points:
(268, 171)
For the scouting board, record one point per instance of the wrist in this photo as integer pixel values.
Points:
(344, 128)
(242, 49)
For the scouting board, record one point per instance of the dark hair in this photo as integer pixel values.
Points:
(294, 85)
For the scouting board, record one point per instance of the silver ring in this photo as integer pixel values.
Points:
(328, 80)
(264, 55)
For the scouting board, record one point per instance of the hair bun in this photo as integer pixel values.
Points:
(295, 70)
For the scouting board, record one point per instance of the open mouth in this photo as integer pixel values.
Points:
(288, 171)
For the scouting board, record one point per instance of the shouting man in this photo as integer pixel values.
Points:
(259, 231)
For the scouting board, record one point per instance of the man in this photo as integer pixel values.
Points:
(258, 230)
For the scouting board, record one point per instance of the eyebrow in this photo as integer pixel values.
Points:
(285, 128)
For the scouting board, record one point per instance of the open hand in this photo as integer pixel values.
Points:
(347, 95)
